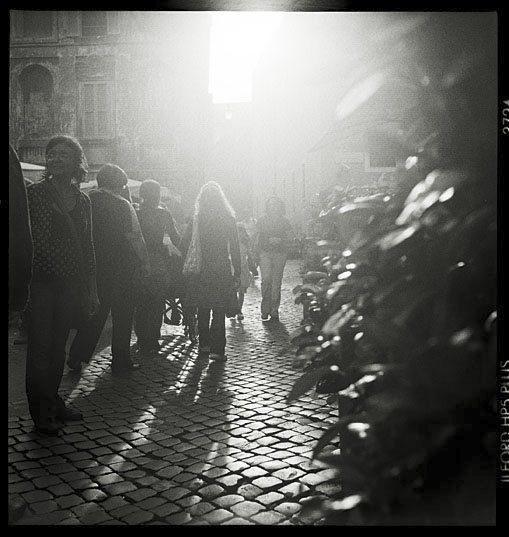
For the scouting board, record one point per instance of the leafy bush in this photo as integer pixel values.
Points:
(400, 323)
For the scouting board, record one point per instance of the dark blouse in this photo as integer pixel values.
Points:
(56, 254)
(112, 222)
(267, 228)
(20, 236)
(154, 224)
(220, 255)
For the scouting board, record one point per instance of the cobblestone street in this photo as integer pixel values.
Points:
(182, 440)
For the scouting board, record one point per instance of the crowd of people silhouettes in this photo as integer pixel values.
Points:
(91, 256)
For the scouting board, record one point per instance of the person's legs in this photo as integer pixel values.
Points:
(278, 267)
(38, 363)
(88, 334)
(52, 306)
(204, 328)
(155, 322)
(148, 321)
(240, 297)
(142, 320)
(217, 332)
(64, 308)
(122, 314)
(266, 285)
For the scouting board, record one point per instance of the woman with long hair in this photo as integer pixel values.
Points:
(63, 286)
(212, 241)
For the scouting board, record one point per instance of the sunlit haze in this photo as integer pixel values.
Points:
(236, 42)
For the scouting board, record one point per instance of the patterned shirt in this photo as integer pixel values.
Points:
(56, 254)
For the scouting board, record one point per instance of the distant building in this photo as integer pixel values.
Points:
(132, 86)
(302, 144)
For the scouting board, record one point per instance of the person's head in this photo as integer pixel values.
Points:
(150, 193)
(112, 177)
(274, 206)
(211, 201)
(65, 158)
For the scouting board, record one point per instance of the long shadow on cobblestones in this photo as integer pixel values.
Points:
(183, 440)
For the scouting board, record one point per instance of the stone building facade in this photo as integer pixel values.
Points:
(132, 86)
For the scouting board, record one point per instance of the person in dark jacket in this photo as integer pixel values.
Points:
(157, 226)
(273, 236)
(213, 285)
(20, 237)
(63, 284)
(122, 261)
(20, 268)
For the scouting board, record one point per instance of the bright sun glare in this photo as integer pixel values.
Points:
(236, 42)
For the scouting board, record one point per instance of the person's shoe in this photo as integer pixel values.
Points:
(69, 414)
(275, 317)
(240, 317)
(49, 428)
(215, 357)
(124, 368)
(264, 317)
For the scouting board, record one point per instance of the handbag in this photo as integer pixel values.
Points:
(192, 264)
(232, 302)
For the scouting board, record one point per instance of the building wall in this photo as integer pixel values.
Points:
(151, 70)
(301, 145)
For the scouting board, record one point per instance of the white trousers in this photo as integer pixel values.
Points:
(272, 265)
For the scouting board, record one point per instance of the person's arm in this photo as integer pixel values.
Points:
(171, 229)
(135, 238)
(89, 260)
(20, 236)
(184, 243)
(235, 252)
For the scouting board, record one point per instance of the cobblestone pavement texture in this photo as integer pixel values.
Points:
(181, 441)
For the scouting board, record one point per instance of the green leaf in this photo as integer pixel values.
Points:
(306, 383)
(331, 433)
(337, 321)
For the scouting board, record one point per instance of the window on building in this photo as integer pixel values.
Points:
(37, 88)
(36, 24)
(96, 110)
(94, 23)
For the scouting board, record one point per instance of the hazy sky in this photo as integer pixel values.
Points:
(237, 39)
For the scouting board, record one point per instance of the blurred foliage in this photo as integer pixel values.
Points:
(400, 317)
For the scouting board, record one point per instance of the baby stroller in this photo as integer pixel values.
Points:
(177, 314)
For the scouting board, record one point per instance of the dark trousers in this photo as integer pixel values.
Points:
(212, 333)
(117, 297)
(148, 321)
(50, 316)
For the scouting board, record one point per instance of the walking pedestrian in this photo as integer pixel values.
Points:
(211, 248)
(20, 269)
(122, 262)
(158, 228)
(273, 237)
(245, 273)
(63, 285)
(20, 245)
